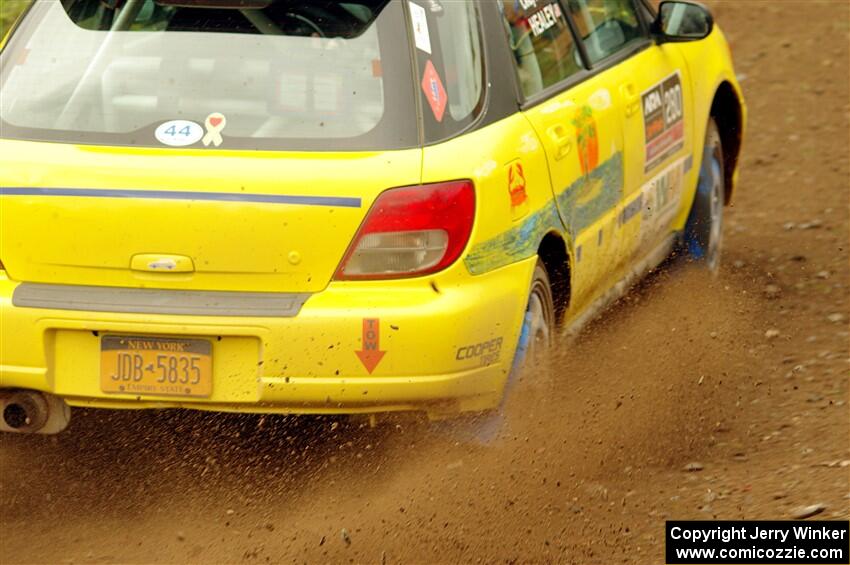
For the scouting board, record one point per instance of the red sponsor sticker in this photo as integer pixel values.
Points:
(432, 86)
(516, 184)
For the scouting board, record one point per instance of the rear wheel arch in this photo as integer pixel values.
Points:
(553, 252)
(727, 111)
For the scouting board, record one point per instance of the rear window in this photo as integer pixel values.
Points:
(232, 74)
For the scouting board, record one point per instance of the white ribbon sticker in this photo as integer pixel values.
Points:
(419, 19)
(215, 123)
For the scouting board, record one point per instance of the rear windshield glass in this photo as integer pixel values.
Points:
(232, 74)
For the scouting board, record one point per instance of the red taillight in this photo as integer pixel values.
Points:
(411, 231)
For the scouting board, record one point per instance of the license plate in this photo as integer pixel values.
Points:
(160, 366)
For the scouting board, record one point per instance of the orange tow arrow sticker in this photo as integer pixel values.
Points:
(371, 353)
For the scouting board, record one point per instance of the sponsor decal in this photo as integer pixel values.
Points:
(657, 203)
(486, 352)
(432, 86)
(661, 197)
(588, 140)
(579, 205)
(419, 21)
(517, 190)
(545, 18)
(590, 196)
(515, 244)
(663, 120)
(631, 210)
(582, 203)
(214, 123)
(516, 184)
(179, 133)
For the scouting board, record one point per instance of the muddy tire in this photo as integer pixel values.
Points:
(538, 328)
(703, 238)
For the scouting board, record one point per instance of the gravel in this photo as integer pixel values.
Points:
(802, 512)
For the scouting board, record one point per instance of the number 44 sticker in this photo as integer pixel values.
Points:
(185, 131)
(179, 133)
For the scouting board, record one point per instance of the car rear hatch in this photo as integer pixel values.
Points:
(199, 220)
(200, 144)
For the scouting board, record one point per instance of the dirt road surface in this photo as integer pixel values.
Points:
(590, 460)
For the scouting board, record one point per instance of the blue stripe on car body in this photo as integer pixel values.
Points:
(185, 195)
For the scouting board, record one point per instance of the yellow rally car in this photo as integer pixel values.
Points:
(339, 206)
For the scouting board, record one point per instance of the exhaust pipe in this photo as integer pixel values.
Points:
(32, 412)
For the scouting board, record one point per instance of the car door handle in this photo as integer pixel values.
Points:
(562, 140)
(631, 99)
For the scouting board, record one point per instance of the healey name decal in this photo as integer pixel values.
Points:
(663, 120)
(545, 18)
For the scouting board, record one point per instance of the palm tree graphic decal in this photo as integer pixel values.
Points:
(588, 141)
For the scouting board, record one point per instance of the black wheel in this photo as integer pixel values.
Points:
(704, 229)
(539, 326)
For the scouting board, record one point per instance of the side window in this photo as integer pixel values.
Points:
(606, 26)
(460, 42)
(541, 41)
(450, 63)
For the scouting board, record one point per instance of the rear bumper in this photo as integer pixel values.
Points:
(301, 364)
